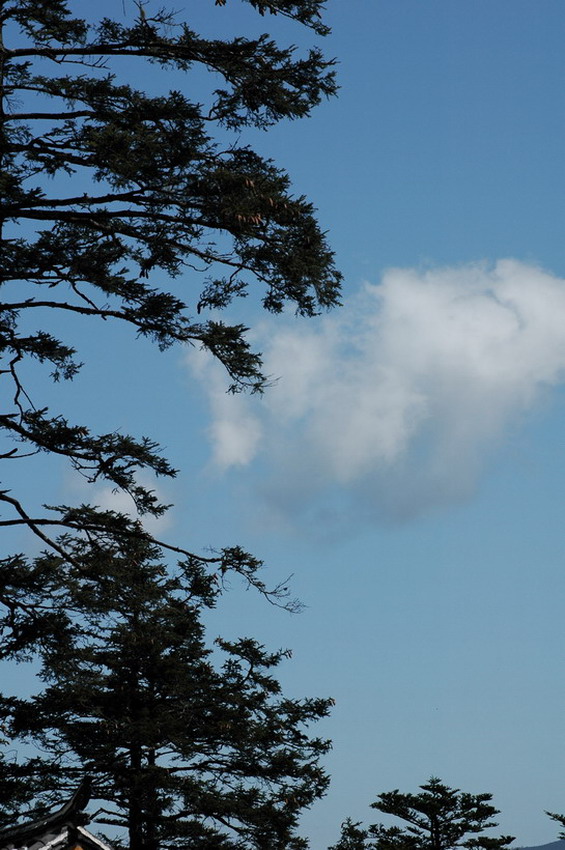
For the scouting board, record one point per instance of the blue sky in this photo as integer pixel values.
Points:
(408, 466)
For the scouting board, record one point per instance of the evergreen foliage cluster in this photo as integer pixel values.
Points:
(114, 203)
(188, 744)
(148, 194)
(437, 818)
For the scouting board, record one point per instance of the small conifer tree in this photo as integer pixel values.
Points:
(437, 818)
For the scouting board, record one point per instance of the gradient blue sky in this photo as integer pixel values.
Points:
(408, 466)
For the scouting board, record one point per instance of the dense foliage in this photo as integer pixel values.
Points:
(188, 745)
(438, 818)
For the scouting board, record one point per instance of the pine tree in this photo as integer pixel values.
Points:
(353, 837)
(113, 200)
(113, 203)
(190, 745)
(438, 818)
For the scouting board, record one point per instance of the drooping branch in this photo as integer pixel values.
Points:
(97, 524)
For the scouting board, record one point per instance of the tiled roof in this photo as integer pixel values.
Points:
(61, 830)
(60, 840)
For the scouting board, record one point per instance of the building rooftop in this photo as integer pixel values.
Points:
(64, 829)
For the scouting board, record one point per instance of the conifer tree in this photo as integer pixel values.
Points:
(438, 818)
(151, 211)
(189, 744)
(560, 819)
(148, 210)
(353, 837)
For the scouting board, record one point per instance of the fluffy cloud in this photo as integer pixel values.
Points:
(395, 401)
(235, 432)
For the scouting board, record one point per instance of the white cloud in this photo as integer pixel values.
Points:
(235, 433)
(395, 401)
